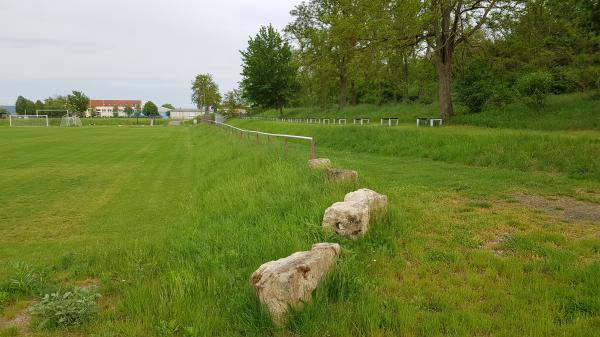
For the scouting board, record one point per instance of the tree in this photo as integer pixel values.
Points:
(78, 102)
(205, 92)
(129, 111)
(39, 105)
(23, 106)
(446, 24)
(58, 103)
(150, 109)
(233, 100)
(268, 75)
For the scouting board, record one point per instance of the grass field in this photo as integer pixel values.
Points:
(104, 121)
(170, 222)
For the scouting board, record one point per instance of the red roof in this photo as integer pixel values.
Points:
(114, 102)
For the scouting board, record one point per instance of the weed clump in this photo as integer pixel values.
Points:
(26, 279)
(66, 308)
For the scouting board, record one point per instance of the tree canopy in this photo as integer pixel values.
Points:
(376, 51)
(205, 92)
(268, 75)
(78, 102)
(150, 109)
(23, 106)
(233, 100)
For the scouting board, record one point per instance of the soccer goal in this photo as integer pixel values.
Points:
(28, 120)
(69, 121)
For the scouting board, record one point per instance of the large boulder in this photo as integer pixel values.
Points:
(342, 174)
(377, 202)
(288, 282)
(319, 163)
(348, 218)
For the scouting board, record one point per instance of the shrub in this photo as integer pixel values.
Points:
(534, 88)
(474, 97)
(67, 308)
(473, 86)
(502, 97)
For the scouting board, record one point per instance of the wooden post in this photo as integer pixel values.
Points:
(257, 141)
(312, 149)
(285, 146)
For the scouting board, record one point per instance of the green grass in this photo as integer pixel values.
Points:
(563, 112)
(171, 222)
(573, 153)
(104, 121)
(572, 111)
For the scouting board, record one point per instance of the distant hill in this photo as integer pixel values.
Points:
(10, 108)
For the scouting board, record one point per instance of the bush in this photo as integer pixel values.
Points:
(534, 88)
(502, 97)
(67, 308)
(473, 86)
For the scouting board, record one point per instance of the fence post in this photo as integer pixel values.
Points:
(312, 149)
(285, 146)
(257, 141)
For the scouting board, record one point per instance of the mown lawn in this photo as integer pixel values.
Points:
(171, 222)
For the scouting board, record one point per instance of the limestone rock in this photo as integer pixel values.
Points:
(289, 282)
(342, 174)
(377, 202)
(348, 218)
(319, 163)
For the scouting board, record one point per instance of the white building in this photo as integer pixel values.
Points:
(107, 107)
(185, 113)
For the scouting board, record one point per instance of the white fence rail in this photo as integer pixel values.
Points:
(267, 134)
(383, 121)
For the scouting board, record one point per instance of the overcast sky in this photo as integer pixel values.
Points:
(126, 49)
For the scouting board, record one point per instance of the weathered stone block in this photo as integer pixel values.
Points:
(288, 282)
(319, 163)
(342, 174)
(350, 219)
(377, 202)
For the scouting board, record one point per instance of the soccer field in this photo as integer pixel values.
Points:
(170, 222)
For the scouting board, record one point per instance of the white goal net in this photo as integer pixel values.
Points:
(68, 121)
(28, 120)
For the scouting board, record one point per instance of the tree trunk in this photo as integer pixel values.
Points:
(444, 70)
(405, 77)
(445, 49)
(343, 90)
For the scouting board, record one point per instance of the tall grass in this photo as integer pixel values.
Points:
(171, 222)
(562, 112)
(576, 154)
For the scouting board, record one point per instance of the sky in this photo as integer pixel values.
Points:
(127, 49)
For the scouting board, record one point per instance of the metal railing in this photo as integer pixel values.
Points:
(267, 134)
